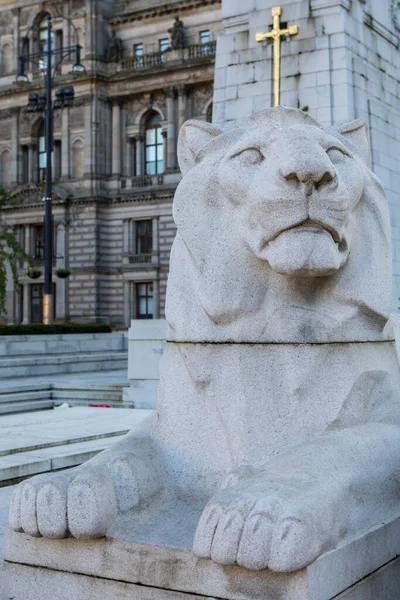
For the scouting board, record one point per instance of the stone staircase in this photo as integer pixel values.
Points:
(39, 372)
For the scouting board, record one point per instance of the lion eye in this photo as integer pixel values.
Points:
(335, 154)
(251, 156)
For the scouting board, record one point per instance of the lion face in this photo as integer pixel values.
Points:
(295, 190)
(283, 234)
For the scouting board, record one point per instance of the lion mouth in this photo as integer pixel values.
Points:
(312, 227)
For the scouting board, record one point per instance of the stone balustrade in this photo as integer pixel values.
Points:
(158, 59)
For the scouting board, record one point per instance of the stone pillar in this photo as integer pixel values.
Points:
(65, 144)
(27, 241)
(171, 129)
(31, 163)
(14, 147)
(182, 105)
(164, 134)
(127, 240)
(156, 299)
(90, 137)
(26, 304)
(17, 40)
(155, 252)
(116, 139)
(140, 155)
(127, 303)
(18, 307)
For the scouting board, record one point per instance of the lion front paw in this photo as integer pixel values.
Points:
(81, 502)
(263, 526)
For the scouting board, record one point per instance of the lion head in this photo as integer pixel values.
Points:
(283, 234)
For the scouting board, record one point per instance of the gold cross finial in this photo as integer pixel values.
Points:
(276, 33)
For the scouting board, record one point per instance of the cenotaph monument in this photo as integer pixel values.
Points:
(271, 468)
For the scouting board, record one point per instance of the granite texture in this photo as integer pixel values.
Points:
(278, 411)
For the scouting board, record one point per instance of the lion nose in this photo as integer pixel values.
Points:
(310, 177)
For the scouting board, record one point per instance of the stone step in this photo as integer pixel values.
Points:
(34, 345)
(24, 395)
(66, 363)
(25, 464)
(7, 408)
(87, 395)
(36, 396)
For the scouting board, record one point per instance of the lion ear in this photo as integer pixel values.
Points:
(357, 133)
(193, 138)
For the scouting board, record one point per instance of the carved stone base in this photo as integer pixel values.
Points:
(120, 568)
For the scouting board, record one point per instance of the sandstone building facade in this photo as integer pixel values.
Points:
(114, 155)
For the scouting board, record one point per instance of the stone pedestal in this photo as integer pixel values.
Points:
(125, 566)
(146, 345)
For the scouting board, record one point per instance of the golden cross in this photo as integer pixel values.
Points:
(276, 35)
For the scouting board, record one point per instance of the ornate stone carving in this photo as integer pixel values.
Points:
(278, 414)
(200, 98)
(55, 7)
(77, 8)
(139, 104)
(26, 122)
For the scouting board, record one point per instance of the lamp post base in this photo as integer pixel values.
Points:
(47, 309)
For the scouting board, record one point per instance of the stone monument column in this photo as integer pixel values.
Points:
(140, 155)
(116, 138)
(182, 104)
(171, 129)
(65, 144)
(15, 161)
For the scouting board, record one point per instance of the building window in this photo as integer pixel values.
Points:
(154, 145)
(138, 50)
(43, 46)
(163, 44)
(38, 242)
(144, 237)
(205, 37)
(144, 300)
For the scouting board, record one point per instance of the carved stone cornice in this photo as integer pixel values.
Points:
(167, 8)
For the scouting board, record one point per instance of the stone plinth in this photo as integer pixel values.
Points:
(146, 345)
(123, 568)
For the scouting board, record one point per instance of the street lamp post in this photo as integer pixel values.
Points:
(48, 220)
(34, 103)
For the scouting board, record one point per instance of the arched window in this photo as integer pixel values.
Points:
(6, 59)
(5, 169)
(77, 159)
(154, 144)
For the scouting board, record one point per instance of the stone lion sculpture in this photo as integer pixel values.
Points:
(277, 433)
